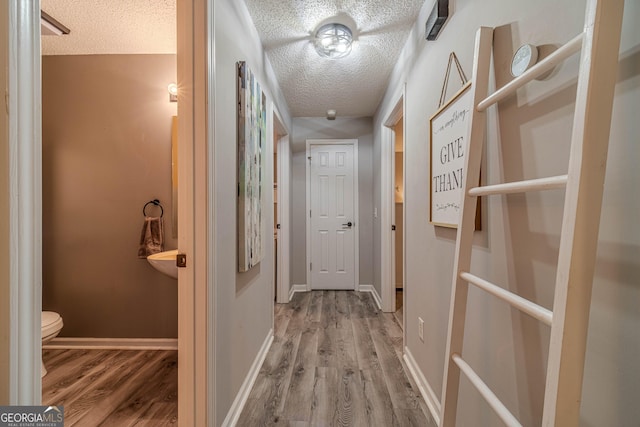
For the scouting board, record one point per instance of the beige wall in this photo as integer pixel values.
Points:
(106, 151)
(518, 245)
(4, 210)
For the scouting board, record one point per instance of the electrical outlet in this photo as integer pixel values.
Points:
(421, 329)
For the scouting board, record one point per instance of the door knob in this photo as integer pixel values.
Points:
(348, 225)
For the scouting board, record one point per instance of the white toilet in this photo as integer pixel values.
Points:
(51, 326)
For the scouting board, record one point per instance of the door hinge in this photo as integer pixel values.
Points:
(393, 228)
(310, 266)
(278, 226)
(309, 159)
(309, 213)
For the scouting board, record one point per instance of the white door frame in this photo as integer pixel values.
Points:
(24, 288)
(284, 184)
(356, 215)
(196, 290)
(21, 324)
(6, 366)
(387, 204)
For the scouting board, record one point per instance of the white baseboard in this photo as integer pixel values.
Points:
(374, 293)
(361, 288)
(297, 288)
(113, 343)
(425, 389)
(241, 398)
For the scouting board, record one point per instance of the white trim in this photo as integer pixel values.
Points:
(113, 343)
(374, 292)
(196, 311)
(387, 201)
(5, 234)
(386, 221)
(298, 288)
(356, 210)
(241, 398)
(25, 209)
(429, 396)
(209, 348)
(284, 185)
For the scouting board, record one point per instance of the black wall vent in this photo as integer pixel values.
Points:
(437, 18)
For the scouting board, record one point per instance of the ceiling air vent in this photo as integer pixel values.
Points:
(436, 20)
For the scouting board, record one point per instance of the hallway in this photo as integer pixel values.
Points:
(335, 360)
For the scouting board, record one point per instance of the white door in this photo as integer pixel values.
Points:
(332, 216)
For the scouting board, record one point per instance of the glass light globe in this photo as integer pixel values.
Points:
(333, 41)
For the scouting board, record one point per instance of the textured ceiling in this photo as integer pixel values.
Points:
(112, 26)
(354, 85)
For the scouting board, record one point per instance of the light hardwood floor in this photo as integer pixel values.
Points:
(335, 361)
(113, 387)
(399, 307)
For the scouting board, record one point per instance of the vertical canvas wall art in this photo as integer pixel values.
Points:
(252, 139)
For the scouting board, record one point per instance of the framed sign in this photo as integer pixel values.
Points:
(449, 135)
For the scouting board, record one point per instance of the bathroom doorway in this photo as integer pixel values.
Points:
(104, 162)
(152, 90)
(195, 32)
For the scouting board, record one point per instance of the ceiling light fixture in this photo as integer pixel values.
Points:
(333, 41)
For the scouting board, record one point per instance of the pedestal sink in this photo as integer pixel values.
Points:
(165, 262)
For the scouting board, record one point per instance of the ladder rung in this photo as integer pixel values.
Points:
(505, 415)
(539, 184)
(564, 52)
(532, 309)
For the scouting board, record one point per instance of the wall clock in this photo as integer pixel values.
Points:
(523, 59)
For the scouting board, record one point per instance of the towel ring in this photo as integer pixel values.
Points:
(154, 202)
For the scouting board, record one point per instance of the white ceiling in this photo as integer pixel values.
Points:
(353, 86)
(112, 26)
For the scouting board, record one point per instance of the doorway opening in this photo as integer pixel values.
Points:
(398, 218)
(104, 162)
(281, 210)
(392, 210)
(24, 357)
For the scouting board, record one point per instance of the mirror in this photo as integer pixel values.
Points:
(174, 176)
